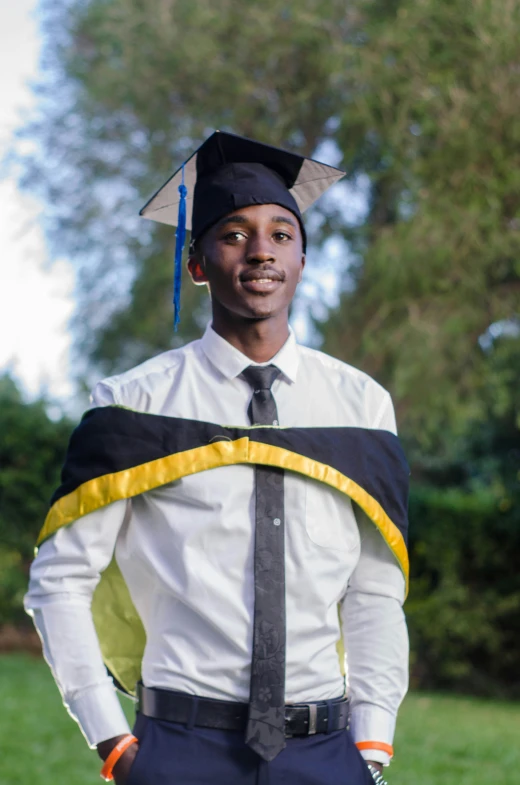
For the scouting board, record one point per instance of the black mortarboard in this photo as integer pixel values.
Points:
(228, 172)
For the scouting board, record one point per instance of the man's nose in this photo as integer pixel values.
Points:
(259, 251)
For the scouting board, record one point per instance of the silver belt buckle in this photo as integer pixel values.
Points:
(313, 719)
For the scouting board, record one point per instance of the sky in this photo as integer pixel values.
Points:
(36, 300)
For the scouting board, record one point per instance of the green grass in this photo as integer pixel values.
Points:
(41, 744)
(440, 740)
(443, 740)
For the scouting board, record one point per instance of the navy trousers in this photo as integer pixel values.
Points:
(174, 754)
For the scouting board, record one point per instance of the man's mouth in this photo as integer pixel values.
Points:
(261, 281)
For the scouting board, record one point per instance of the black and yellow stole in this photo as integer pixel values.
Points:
(116, 453)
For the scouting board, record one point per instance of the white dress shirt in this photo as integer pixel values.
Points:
(186, 553)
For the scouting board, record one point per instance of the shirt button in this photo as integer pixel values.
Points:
(275, 422)
(277, 521)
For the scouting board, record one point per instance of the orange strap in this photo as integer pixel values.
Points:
(121, 746)
(375, 745)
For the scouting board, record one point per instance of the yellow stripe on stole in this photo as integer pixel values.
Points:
(108, 488)
(111, 596)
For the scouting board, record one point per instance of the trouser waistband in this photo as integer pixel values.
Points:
(301, 719)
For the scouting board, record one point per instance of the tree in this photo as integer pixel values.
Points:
(32, 447)
(434, 124)
(418, 97)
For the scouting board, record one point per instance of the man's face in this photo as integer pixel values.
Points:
(252, 260)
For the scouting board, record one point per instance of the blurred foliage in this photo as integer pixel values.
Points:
(464, 604)
(418, 101)
(435, 125)
(419, 98)
(32, 447)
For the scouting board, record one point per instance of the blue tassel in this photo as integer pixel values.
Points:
(180, 238)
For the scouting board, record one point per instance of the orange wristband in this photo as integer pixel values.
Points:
(375, 745)
(121, 746)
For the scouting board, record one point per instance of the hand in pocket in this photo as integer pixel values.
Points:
(124, 765)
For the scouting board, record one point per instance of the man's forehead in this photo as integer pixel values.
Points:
(272, 213)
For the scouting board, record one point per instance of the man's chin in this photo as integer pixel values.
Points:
(259, 308)
(255, 308)
(260, 314)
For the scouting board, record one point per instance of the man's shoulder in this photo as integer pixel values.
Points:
(339, 370)
(359, 390)
(144, 380)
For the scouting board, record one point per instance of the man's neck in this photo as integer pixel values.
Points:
(259, 340)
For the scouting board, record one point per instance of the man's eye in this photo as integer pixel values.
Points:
(282, 236)
(234, 237)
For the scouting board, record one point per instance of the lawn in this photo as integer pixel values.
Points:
(440, 740)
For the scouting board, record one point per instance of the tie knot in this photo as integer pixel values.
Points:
(261, 377)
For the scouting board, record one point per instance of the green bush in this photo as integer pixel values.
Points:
(464, 604)
(32, 447)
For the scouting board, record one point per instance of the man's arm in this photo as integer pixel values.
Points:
(63, 578)
(376, 642)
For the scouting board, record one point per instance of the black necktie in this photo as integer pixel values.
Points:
(266, 723)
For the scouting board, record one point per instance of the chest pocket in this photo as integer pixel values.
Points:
(329, 518)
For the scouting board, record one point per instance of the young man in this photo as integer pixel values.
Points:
(238, 497)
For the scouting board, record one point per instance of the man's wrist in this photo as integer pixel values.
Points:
(104, 748)
(120, 757)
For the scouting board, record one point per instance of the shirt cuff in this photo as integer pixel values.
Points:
(99, 714)
(372, 723)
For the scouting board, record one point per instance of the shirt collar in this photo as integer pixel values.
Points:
(231, 362)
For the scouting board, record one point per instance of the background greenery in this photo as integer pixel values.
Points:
(418, 101)
(482, 750)
(32, 448)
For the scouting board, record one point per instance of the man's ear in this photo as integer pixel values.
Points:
(196, 270)
(304, 259)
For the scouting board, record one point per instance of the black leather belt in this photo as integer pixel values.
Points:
(301, 719)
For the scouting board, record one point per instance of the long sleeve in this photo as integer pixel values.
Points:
(63, 578)
(376, 641)
(374, 628)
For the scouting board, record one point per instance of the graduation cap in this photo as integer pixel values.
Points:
(229, 172)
